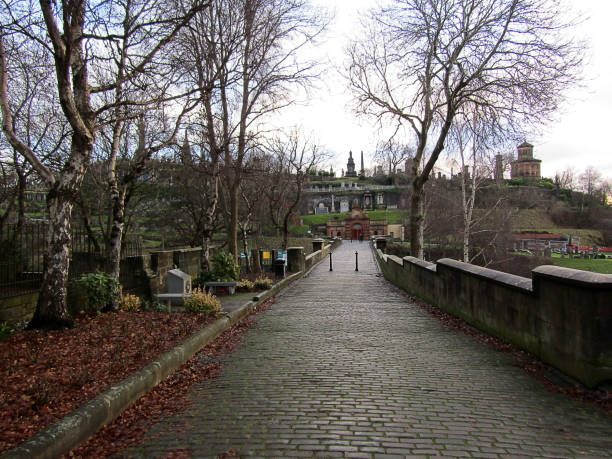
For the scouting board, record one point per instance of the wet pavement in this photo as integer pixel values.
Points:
(345, 365)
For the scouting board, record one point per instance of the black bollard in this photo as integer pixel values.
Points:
(356, 261)
(330, 261)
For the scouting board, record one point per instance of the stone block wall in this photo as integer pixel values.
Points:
(561, 315)
(18, 308)
(188, 260)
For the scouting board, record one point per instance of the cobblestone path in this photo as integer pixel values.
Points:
(344, 365)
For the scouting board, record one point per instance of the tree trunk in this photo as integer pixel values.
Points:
(116, 233)
(256, 262)
(417, 220)
(285, 232)
(208, 223)
(205, 260)
(51, 310)
(466, 242)
(22, 185)
(245, 244)
(233, 224)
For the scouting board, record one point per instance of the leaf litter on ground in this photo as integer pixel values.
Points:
(45, 375)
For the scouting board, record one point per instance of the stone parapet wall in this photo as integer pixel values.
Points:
(561, 315)
(315, 257)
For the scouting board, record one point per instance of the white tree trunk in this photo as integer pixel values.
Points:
(417, 221)
(116, 234)
(51, 311)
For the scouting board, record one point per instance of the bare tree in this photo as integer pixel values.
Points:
(566, 179)
(143, 139)
(197, 191)
(81, 39)
(242, 56)
(590, 180)
(8, 191)
(472, 140)
(293, 159)
(393, 153)
(37, 119)
(422, 62)
(251, 203)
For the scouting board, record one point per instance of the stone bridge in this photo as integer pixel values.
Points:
(344, 364)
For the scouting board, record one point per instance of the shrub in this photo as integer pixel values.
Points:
(201, 302)
(245, 284)
(263, 283)
(6, 330)
(224, 270)
(154, 306)
(129, 302)
(99, 291)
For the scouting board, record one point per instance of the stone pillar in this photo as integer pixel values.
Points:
(295, 259)
(317, 244)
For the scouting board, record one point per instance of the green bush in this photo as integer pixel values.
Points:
(224, 270)
(99, 291)
(203, 277)
(201, 302)
(154, 306)
(547, 185)
(6, 330)
(263, 283)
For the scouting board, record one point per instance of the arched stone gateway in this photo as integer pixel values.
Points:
(356, 225)
(356, 231)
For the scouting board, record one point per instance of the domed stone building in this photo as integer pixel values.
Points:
(526, 166)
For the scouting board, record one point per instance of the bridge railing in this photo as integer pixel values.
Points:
(561, 315)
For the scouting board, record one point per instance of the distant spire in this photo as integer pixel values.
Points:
(350, 166)
(186, 150)
(362, 171)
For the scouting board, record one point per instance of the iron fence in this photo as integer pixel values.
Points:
(266, 258)
(22, 256)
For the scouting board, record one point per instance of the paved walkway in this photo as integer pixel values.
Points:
(345, 365)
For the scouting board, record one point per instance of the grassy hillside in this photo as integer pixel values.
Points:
(596, 266)
(538, 221)
(393, 216)
(532, 220)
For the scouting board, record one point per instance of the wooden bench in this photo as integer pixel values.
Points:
(167, 298)
(231, 286)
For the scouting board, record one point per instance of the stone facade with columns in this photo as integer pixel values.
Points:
(526, 166)
(356, 225)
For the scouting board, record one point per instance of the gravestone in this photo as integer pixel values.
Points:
(178, 281)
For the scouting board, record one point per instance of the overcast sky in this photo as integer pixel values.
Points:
(579, 138)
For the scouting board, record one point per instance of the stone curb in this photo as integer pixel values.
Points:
(63, 436)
